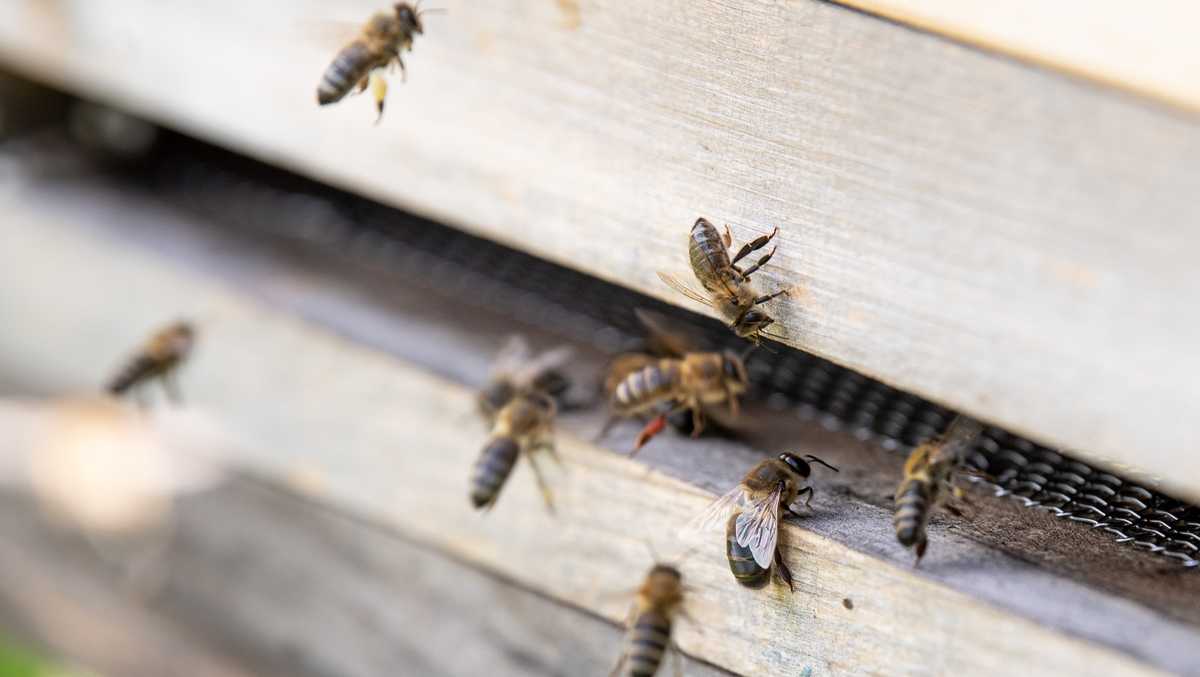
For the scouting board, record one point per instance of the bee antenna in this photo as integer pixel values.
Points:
(813, 459)
(653, 552)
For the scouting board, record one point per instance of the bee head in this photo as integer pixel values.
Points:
(797, 464)
(664, 583)
(409, 16)
(752, 322)
(734, 369)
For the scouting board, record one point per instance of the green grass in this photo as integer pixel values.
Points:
(18, 662)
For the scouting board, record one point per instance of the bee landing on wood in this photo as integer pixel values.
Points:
(929, 472)
(523, 426)
(648, 628)
(750, 515)
(517, 370)
(728, 289)
(362, 62)
(158, 358)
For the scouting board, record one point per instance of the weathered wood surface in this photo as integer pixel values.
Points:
(282, 586)
(388, 441)
(1146, 48)
(995, 237)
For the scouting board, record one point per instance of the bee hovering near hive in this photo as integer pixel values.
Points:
(516, 369)
(648, 627)
(750, 514)
(524, 426)
(929, 472)
(728, 288)
(158, 358)
(362, 62)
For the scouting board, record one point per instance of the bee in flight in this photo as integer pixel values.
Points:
(929, 472)
(648, 628)
(517, 370)
(158, 359)
(523, 426)
(750, 514)
(362, 62)
(728, 287)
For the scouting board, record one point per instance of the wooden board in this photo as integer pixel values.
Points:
(1145, 48)
(359, 429)
(997, 238)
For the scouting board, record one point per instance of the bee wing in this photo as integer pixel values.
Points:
(514, 353)
(663, 338)
(548, 361)
(328, 32)
(682, 288)
(758, 527)
(717, 512)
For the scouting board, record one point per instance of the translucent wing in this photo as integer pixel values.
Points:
(513, 354)
(683, 289)
(544, 363)
(665, 339)
(758, 527)
(717, 512)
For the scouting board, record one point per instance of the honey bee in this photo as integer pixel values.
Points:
(648, 628)
(525, 425)
(750, 514)
(158, 358)
(685, 384)
(379, 44)
(516, 370)
(929, 471)
(728, 287)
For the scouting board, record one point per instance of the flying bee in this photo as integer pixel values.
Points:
(648, 628)
(517, 370)
(158, 358)
(750, 515)
(523, 426)
(362, 62)
(685, 384)
(728, 287)
(928, 473)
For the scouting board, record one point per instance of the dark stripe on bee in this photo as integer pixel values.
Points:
(707, 248)
(648, 642)
(347, 70)
(741, 561)
(139, 369)
(646, 385)
(912, 506)
(495, 463)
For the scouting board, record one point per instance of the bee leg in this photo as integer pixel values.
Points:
(171, 388)
(761, 262)
(697, 421)
(784, 572)
(653, 428)
(403, 70)
(541, 482)
(792, 513)
(767, 297)
(757, 243)
(676, 659)
(379, 91)
(727, 238)
(620, 664)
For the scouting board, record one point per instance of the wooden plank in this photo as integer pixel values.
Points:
(1148, 49)
(990, 236)
(392, 442)
(315, 594)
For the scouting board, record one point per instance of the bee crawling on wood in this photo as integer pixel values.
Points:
(361, 63)
(728, 288)
(517, 370)
(684, 379)
(929, 472)
(158, 358)
(750, 515)
(648, 627)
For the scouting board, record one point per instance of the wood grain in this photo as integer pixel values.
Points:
(361, 430)
(997, 238)
(1148, 49)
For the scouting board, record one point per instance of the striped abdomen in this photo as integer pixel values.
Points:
(139, 369)
(912, 509)
(648, 641)
(708, 254)
(741, 560)
(646, 387)
(349, 67)
(494, 466)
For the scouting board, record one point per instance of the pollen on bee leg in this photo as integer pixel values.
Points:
(379, 91)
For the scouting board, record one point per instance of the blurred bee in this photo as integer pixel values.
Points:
(750, 514)
(517, 370)
(728, 287)
(648, 628)
(525, 425)
(928, 472)
(158, 358)
(379, 45)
